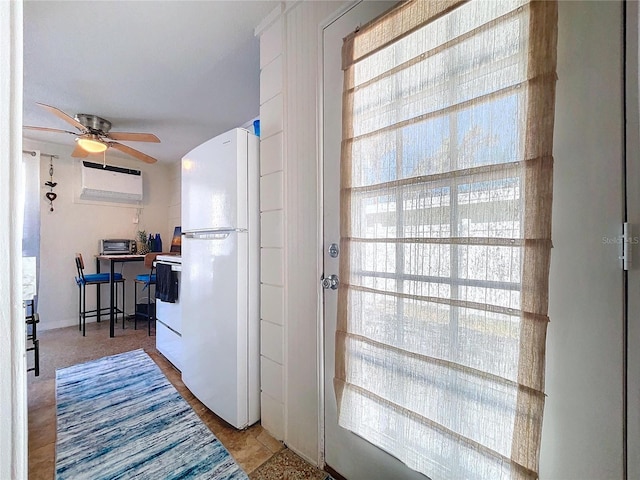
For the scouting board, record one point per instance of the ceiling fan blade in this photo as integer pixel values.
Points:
(45, 129)
(133, 137)
(60, 114)
(79, 152)
(133, 152)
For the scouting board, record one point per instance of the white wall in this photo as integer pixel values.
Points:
(174, 191)
(302, 237)
(289, 85)
(582, 429)
(272, 228)
(77, 226)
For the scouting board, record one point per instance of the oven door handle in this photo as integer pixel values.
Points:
(176, 267)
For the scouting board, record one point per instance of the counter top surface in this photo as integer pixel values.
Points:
(173, 259)
(120, 257)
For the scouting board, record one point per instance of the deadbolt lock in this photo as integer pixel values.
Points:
(331, 282)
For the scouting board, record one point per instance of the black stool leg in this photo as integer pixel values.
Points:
(84, 311)
(98, 285)
(149, 308)
(79, 307)
(135, 305)
(115, 304)
(36, 356)
(124, 303)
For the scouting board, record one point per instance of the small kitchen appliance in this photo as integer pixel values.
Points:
(115, 246)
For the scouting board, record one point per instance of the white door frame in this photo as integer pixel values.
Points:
(13, 383)
(631, 363)
(320, 219)
(391, 464)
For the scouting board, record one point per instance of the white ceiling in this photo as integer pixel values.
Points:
(183, 70)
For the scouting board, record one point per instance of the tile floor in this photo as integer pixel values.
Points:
(258, 453)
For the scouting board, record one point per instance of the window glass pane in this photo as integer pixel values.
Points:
(488, 133)
(480, 329)
(426, 147)
(374, 160)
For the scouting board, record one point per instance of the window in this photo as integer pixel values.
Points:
(445, 231)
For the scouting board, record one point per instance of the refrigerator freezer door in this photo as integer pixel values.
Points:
(214, 183)
(215, 336)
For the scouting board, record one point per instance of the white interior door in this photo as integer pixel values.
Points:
(345, 452)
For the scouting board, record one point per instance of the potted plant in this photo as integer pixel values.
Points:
(141, 242)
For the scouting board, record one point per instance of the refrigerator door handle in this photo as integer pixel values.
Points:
(207, 235)
(214, 234)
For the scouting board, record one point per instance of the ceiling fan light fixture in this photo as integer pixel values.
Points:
(92, 144)
(94, 136)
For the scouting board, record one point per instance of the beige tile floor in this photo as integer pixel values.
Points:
(258, 453)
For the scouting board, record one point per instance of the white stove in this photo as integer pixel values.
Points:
(169, 318)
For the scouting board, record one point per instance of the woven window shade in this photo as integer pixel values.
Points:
(446, 192)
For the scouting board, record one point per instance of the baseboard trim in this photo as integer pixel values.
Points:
(73, 322)
(333, 473)
(52, 325)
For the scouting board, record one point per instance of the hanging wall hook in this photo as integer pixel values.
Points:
(50, 195)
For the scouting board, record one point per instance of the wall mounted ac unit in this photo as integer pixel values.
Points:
(105, 182)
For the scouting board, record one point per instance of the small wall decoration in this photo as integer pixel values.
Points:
(50, 195)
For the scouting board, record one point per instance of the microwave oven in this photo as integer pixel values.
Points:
(115, 246)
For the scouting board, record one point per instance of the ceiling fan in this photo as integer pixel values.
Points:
(94, 136)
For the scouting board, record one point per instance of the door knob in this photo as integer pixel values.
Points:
(331, 282)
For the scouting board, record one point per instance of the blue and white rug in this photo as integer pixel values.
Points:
(119, 418)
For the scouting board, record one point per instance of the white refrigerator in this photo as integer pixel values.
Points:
(220, 276)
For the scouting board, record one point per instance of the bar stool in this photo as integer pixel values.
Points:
(82, 280)
(146, 280)
(32, 319)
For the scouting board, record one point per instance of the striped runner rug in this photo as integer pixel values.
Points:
(118, 417)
